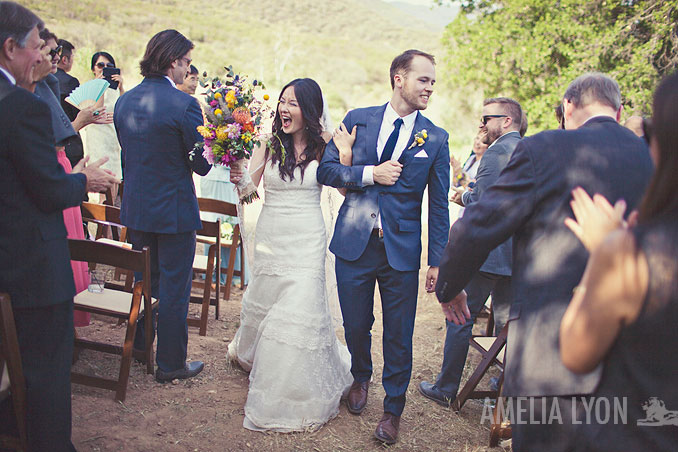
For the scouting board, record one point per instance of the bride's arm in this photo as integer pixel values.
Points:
(256, 166)
(344, 143)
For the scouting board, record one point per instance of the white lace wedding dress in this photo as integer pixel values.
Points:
(298, 368)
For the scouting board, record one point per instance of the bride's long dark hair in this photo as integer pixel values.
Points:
(310, 99)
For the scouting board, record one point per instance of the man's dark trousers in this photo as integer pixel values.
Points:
(457, 338)
(171, 274)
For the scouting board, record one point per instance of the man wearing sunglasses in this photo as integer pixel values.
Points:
(500, 124)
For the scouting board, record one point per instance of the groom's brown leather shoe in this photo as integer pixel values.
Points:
(387, 428)
(357, 397)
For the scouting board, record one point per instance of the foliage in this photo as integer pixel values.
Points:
(532, 49)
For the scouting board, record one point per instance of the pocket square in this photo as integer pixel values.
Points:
(421, 154)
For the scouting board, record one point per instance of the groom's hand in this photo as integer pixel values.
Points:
(387, 173)
(431, 278)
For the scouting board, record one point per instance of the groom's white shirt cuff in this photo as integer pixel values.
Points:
(368, 175)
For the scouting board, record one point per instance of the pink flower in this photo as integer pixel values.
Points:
(214, 103)
(207, 153)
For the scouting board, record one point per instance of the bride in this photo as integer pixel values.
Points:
(298, 369)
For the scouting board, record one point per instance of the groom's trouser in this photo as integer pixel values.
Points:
(171, 271)
(398, 290)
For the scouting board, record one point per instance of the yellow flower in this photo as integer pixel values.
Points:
(420, 141)
(222, 133)
(424, 134)
(266, 97)
(204, 131)
(247, 137)
(217, 95)
(218, 112)
(230, 98)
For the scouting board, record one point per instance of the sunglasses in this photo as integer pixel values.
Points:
(56, 52)
(647, 130)
(486, 118)
(102, 65)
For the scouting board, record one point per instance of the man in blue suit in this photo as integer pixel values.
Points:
(396, 154)
(156, 125)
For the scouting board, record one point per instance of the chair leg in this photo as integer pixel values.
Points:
(126, 358)
(483, 366)
(148, 352)
(207, 293)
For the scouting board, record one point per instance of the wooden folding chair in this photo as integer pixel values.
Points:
(12, 382)
(206, 265)
(125, 305)
(492, 350)
(224, 208)
(105, 216)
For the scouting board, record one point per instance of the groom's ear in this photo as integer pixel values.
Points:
(398, 80)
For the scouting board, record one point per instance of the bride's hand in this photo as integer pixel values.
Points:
(344, 142)
(235, 175)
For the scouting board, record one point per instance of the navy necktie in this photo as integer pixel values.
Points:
(391, 142)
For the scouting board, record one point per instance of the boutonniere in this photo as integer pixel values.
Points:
(419, 138)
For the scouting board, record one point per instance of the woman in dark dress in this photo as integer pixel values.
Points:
(624, 313)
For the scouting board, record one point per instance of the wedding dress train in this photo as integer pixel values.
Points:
(298, 368)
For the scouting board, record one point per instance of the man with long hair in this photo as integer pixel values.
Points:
(156, 125)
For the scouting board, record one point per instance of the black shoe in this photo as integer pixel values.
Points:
(431, 391)
(190, 370)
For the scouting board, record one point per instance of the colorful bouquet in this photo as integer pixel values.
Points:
(232, 129)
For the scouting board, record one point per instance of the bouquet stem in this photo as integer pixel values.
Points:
(246, 190)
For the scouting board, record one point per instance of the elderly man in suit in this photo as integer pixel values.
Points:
(35, 264)
(530, 201)
(500, 125)
(156, 125)
(396, 154)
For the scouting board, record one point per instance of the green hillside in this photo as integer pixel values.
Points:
(346, 46)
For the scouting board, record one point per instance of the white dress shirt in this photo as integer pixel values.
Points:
(171, 81)
(385, 131)
(9, 76)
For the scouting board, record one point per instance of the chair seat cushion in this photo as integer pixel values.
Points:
(115, 242)
(110, 300)
(486, 342)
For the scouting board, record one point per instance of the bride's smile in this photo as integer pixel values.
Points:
(290, 113)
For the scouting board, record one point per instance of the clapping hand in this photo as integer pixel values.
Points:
(456, 310)
(344, 142)
(98, 179)
(595, 218)
(456, 195)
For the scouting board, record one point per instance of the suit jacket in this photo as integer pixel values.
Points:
(73, 145)
(35, 264)
(48, 91)
(530, 202)
(399, 205)
(494, 160)
(156, 126)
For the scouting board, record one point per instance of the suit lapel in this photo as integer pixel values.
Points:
(373, 126)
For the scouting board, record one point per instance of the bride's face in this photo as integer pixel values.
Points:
(290, 112)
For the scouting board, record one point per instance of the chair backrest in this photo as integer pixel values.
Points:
(11, 370)
(115, 256)
(103, 215)
(216, 206)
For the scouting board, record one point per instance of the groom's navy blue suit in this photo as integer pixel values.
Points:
(156, 125)
(394, 260)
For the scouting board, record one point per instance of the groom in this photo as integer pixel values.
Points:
(396, 154)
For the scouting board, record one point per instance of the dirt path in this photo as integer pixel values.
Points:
(206, 413)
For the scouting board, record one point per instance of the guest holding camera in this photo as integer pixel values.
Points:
(100, 140)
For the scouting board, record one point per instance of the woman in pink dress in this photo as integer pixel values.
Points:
(73, 222)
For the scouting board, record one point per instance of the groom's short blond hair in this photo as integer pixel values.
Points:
(401, 63)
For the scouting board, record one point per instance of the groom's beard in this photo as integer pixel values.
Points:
(415, 101)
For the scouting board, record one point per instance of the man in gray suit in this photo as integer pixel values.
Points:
(500, 123)
(529, 202)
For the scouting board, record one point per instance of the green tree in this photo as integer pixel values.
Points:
(532, 49)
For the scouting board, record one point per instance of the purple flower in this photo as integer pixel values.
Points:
(214, 103)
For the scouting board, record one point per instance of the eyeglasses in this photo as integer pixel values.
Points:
(647, 130)
(187, 60)
(56, 52)
(486, 118)
(102, 65)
